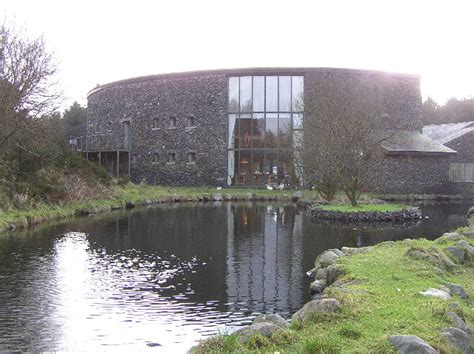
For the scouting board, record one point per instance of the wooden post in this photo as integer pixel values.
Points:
(118, 163)
(100, 159)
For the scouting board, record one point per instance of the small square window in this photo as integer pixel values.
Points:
(191, 157)
(156, 157)
(190, 122)
(172, 122)
(155, 124)
(171, 157)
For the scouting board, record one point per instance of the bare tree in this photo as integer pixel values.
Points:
(27, 86)
(342, 141)
(27, 93)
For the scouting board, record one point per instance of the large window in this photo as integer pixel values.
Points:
(265, 124)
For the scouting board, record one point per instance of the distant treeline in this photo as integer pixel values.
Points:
(453, 111)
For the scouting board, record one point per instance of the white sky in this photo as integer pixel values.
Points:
(98, 41)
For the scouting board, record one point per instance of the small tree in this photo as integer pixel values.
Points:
(74, 121)
(342, 140)
(27, 93)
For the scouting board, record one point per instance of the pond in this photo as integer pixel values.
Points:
(164, 277)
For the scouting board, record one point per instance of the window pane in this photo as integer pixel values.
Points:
(245, 130)
(272, 94)
(246, 94)
(298, 93)
(233, 94)
(257, 167)
(271, 131)
(258, 129)
(284, 93)
(298, 121)
(232, 132)
(232, 156)
(258, 93)
(244, 177)
(284, 130)
(270, 167)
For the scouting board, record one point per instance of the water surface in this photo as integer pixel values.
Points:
(171, 274)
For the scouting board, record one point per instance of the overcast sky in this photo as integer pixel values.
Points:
(96, 42)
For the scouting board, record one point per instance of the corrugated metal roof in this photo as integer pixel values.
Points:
(444, 133)
(406, 142)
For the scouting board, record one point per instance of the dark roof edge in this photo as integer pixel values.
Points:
(418, 153)
(249, 71)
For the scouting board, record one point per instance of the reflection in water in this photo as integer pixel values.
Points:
(170, 274)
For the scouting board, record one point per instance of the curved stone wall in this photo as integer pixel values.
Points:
(179, 121)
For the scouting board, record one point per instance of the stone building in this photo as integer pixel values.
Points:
(458, 137)
(241, 127)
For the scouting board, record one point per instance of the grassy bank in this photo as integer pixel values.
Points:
(383, 301)
(118, 197)
(347, 208)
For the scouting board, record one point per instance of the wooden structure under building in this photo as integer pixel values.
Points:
(107, 150)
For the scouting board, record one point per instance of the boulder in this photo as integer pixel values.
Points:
(296, 196)
(315, 308)
(321, 273)
(265, 329)
(217, 197)
(276, 319)
(333, 272)
(317, 286)
(411, 345)
(457, 290)
(450, 236)
(325, 259)
(435, 293)
(458, 338)
(349, 251)
(467, 247)
(458, 322)
(432, 255)
(457, 253)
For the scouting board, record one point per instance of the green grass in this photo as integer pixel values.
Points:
(347, 208)
(385, 302)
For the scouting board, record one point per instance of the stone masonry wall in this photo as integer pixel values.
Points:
(149, 106)
(464, 145)
(404, 174)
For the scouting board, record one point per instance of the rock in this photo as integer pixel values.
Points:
(276, 319)
(450, 236)
(296, 196)
(457, 290)
(349, 251)
(325, 259)
(458, 338)
(130, 205)
(315, 308)
(249, 196)
(337, 252)
(467, 247)
(321, 273)
(265, 329)
(435, 293)
(217, 197)
(432, 255)
(411, 345)
(457, 253)
(333, 272)
(317, 286)
(458, 322)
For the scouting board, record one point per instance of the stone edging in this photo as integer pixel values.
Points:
(413, 213)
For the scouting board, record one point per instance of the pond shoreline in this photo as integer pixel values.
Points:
(130, 196)
(406, 295)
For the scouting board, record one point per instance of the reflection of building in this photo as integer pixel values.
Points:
(245, 126)
(264, 258)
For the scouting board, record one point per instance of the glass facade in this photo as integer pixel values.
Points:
(264, 133)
